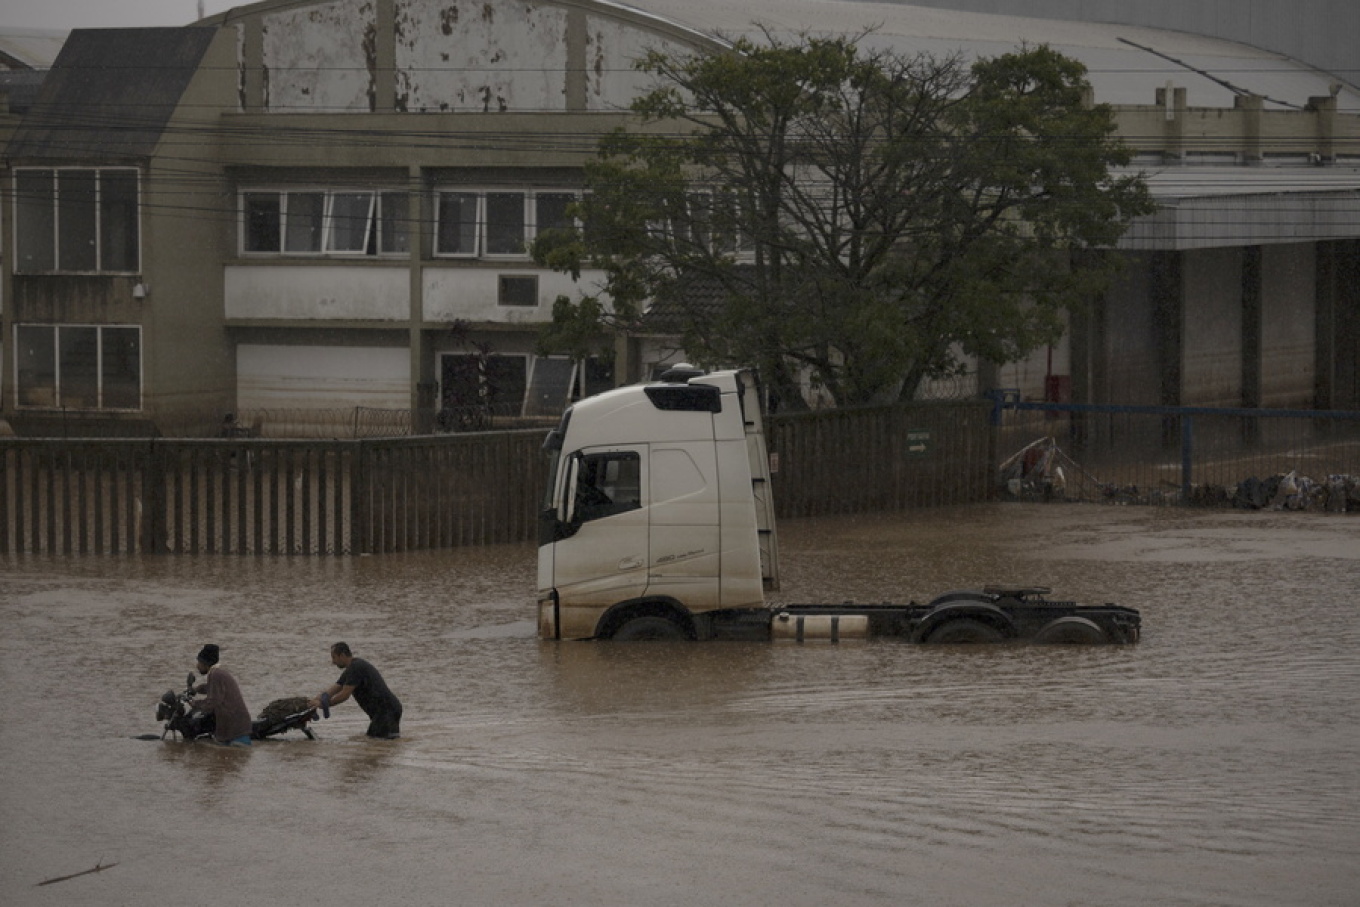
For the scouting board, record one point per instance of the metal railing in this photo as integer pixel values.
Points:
(1173, 455)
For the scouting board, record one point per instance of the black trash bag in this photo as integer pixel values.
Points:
(1251, 494)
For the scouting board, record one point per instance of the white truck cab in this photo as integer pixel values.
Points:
(657, 510)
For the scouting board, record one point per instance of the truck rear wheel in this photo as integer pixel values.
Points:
(1071, 631)
(649, 627)
(964, 631)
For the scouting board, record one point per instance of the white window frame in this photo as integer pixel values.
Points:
(325, 245)
(526, 231)
(57, 403)
(482, 235)
(478, 220)
(738, 245)
(97, 215)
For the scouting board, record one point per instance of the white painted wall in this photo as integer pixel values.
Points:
(471, 293)
(449, 56)
(315, 57)
(322, 377)
(319, 292)
(611, 48)
(473, 55)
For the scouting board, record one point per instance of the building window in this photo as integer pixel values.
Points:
(550, 210)
(493, 383)
(458, 220)
(506, 224)
(496, 223)
(518, 290)
(555, 382)
(81, 367)
(705, 223)
(77, 220)
(303, 221)
(316, 222)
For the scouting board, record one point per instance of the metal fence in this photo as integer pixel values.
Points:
(1179, 455)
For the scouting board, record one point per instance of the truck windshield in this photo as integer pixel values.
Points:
(552, 449)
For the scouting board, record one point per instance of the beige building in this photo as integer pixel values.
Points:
(323, 205)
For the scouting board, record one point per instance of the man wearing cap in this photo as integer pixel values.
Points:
(362, 681)
(223, 700)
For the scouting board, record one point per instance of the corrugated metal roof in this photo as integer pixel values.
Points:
(1199, 206)
(1170, 183)
(1127, 63)
(1215, 207)
(110, 93)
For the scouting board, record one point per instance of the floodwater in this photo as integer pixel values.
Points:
(1215, 763)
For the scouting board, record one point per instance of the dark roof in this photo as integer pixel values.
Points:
(110, 93)
(697, 299)
(21, 87)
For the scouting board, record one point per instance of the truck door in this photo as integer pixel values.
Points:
(686, 550)
(601, 558)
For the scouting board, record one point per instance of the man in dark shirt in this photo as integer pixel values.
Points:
(361, 680)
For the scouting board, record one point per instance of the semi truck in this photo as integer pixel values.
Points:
(658, 523)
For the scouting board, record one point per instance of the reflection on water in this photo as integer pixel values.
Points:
(1212, 763)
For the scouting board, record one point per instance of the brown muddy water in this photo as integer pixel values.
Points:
(1215, 763)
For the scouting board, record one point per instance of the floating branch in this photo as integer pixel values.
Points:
(98, 867)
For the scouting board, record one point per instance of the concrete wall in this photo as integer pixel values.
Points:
(1211, 366)
(188, 366)
(318, 292)
(1288, 318)
(1127, 363)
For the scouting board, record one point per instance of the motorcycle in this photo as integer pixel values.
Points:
(277, 718)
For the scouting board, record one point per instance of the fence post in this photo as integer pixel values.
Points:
(4, 497)
(153, 529)
(1187, 454)
(360, 527)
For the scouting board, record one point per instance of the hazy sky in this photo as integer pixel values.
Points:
(105, 13)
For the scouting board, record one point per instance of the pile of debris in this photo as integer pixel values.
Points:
(1290, 491)
(1041, 471)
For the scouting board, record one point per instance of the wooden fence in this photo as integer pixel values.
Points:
(265, 496)
(881, 458)
(252, 496)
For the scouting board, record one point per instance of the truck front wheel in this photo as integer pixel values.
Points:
(964, 631)
(649, 627)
